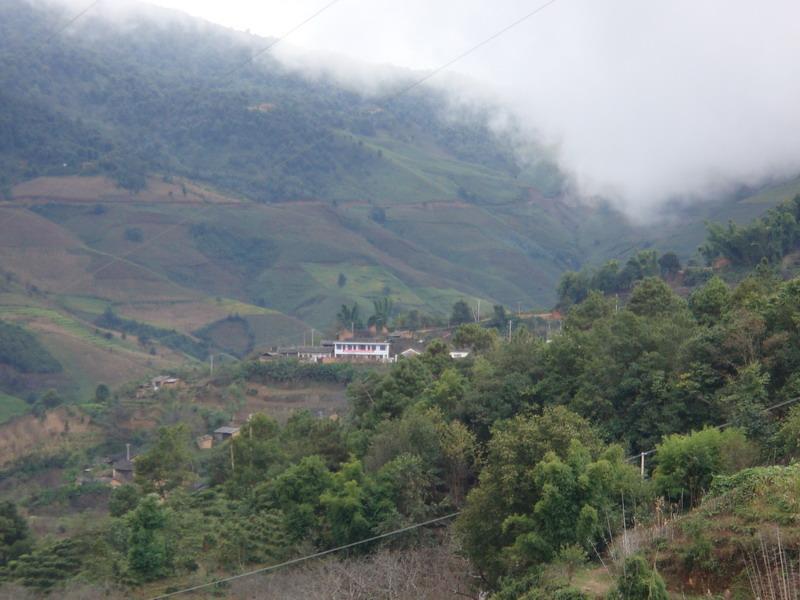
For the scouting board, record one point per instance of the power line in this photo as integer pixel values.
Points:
(317, 142)
(68, 23)
(309, 556)
(723, 426)
(383, 535)
(252, 57)
(416, 83)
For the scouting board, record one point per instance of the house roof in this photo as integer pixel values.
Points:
(226, 429)
(410, 352)
(358, 341)
(123, 465)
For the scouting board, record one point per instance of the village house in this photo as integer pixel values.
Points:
(410, 353)
(122, 469)
(121, 472)
(459, 354)
(225, 432)
(164, 381)
(205, 442)
(305, 354)
(360, 350)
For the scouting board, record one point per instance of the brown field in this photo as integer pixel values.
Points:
(280, 402)
(185, 315)
(59, 429)
(101, 189)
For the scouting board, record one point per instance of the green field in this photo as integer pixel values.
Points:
(11, 406)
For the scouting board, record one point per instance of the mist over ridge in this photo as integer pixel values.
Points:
(644, 103)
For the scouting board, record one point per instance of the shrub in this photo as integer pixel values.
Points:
(688, 463)
(638, 582)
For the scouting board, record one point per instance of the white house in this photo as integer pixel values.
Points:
(361, 350)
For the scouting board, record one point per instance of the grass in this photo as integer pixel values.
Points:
(11, 406)
(65, 323)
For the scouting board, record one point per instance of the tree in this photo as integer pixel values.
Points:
(123, 500)
(296, 493)
(51, 399)
(499, 319)
(149, 555)
(573, 287)
(606, 279)
(102, 393)
(788, 436)
(670, 264)
(251, 455)
(342, 281)
(167, 464)
(643, 264)
(639, 582)
(508, 484)
(350, 317)
(14, 533)
(383, 312)
(461, 313)
(652, 297)
(475, 337)
(686, 464)
(710, 302)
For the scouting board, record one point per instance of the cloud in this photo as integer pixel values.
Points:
(645, 102)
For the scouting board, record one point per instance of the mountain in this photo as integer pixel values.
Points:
(162, 171)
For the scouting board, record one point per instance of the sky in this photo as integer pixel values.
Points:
(643, 101)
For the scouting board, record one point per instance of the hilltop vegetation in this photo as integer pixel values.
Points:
(201, 110)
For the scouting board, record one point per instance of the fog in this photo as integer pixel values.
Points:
(643, 102)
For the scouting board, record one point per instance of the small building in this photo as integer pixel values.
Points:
(314, 354)
(459, 354)
(164, 381)
(225, 432)
(361, 350)
(306, 354)
(410, 353)
(122, 471)
(205, 442)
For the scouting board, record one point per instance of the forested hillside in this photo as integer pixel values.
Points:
(647, 449)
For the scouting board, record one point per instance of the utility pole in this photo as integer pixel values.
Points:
(312, 336)
(211, 359)
(509, 330)
(641, 468)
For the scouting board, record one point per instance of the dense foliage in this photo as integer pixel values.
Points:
(21, 350)
(768, 238)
